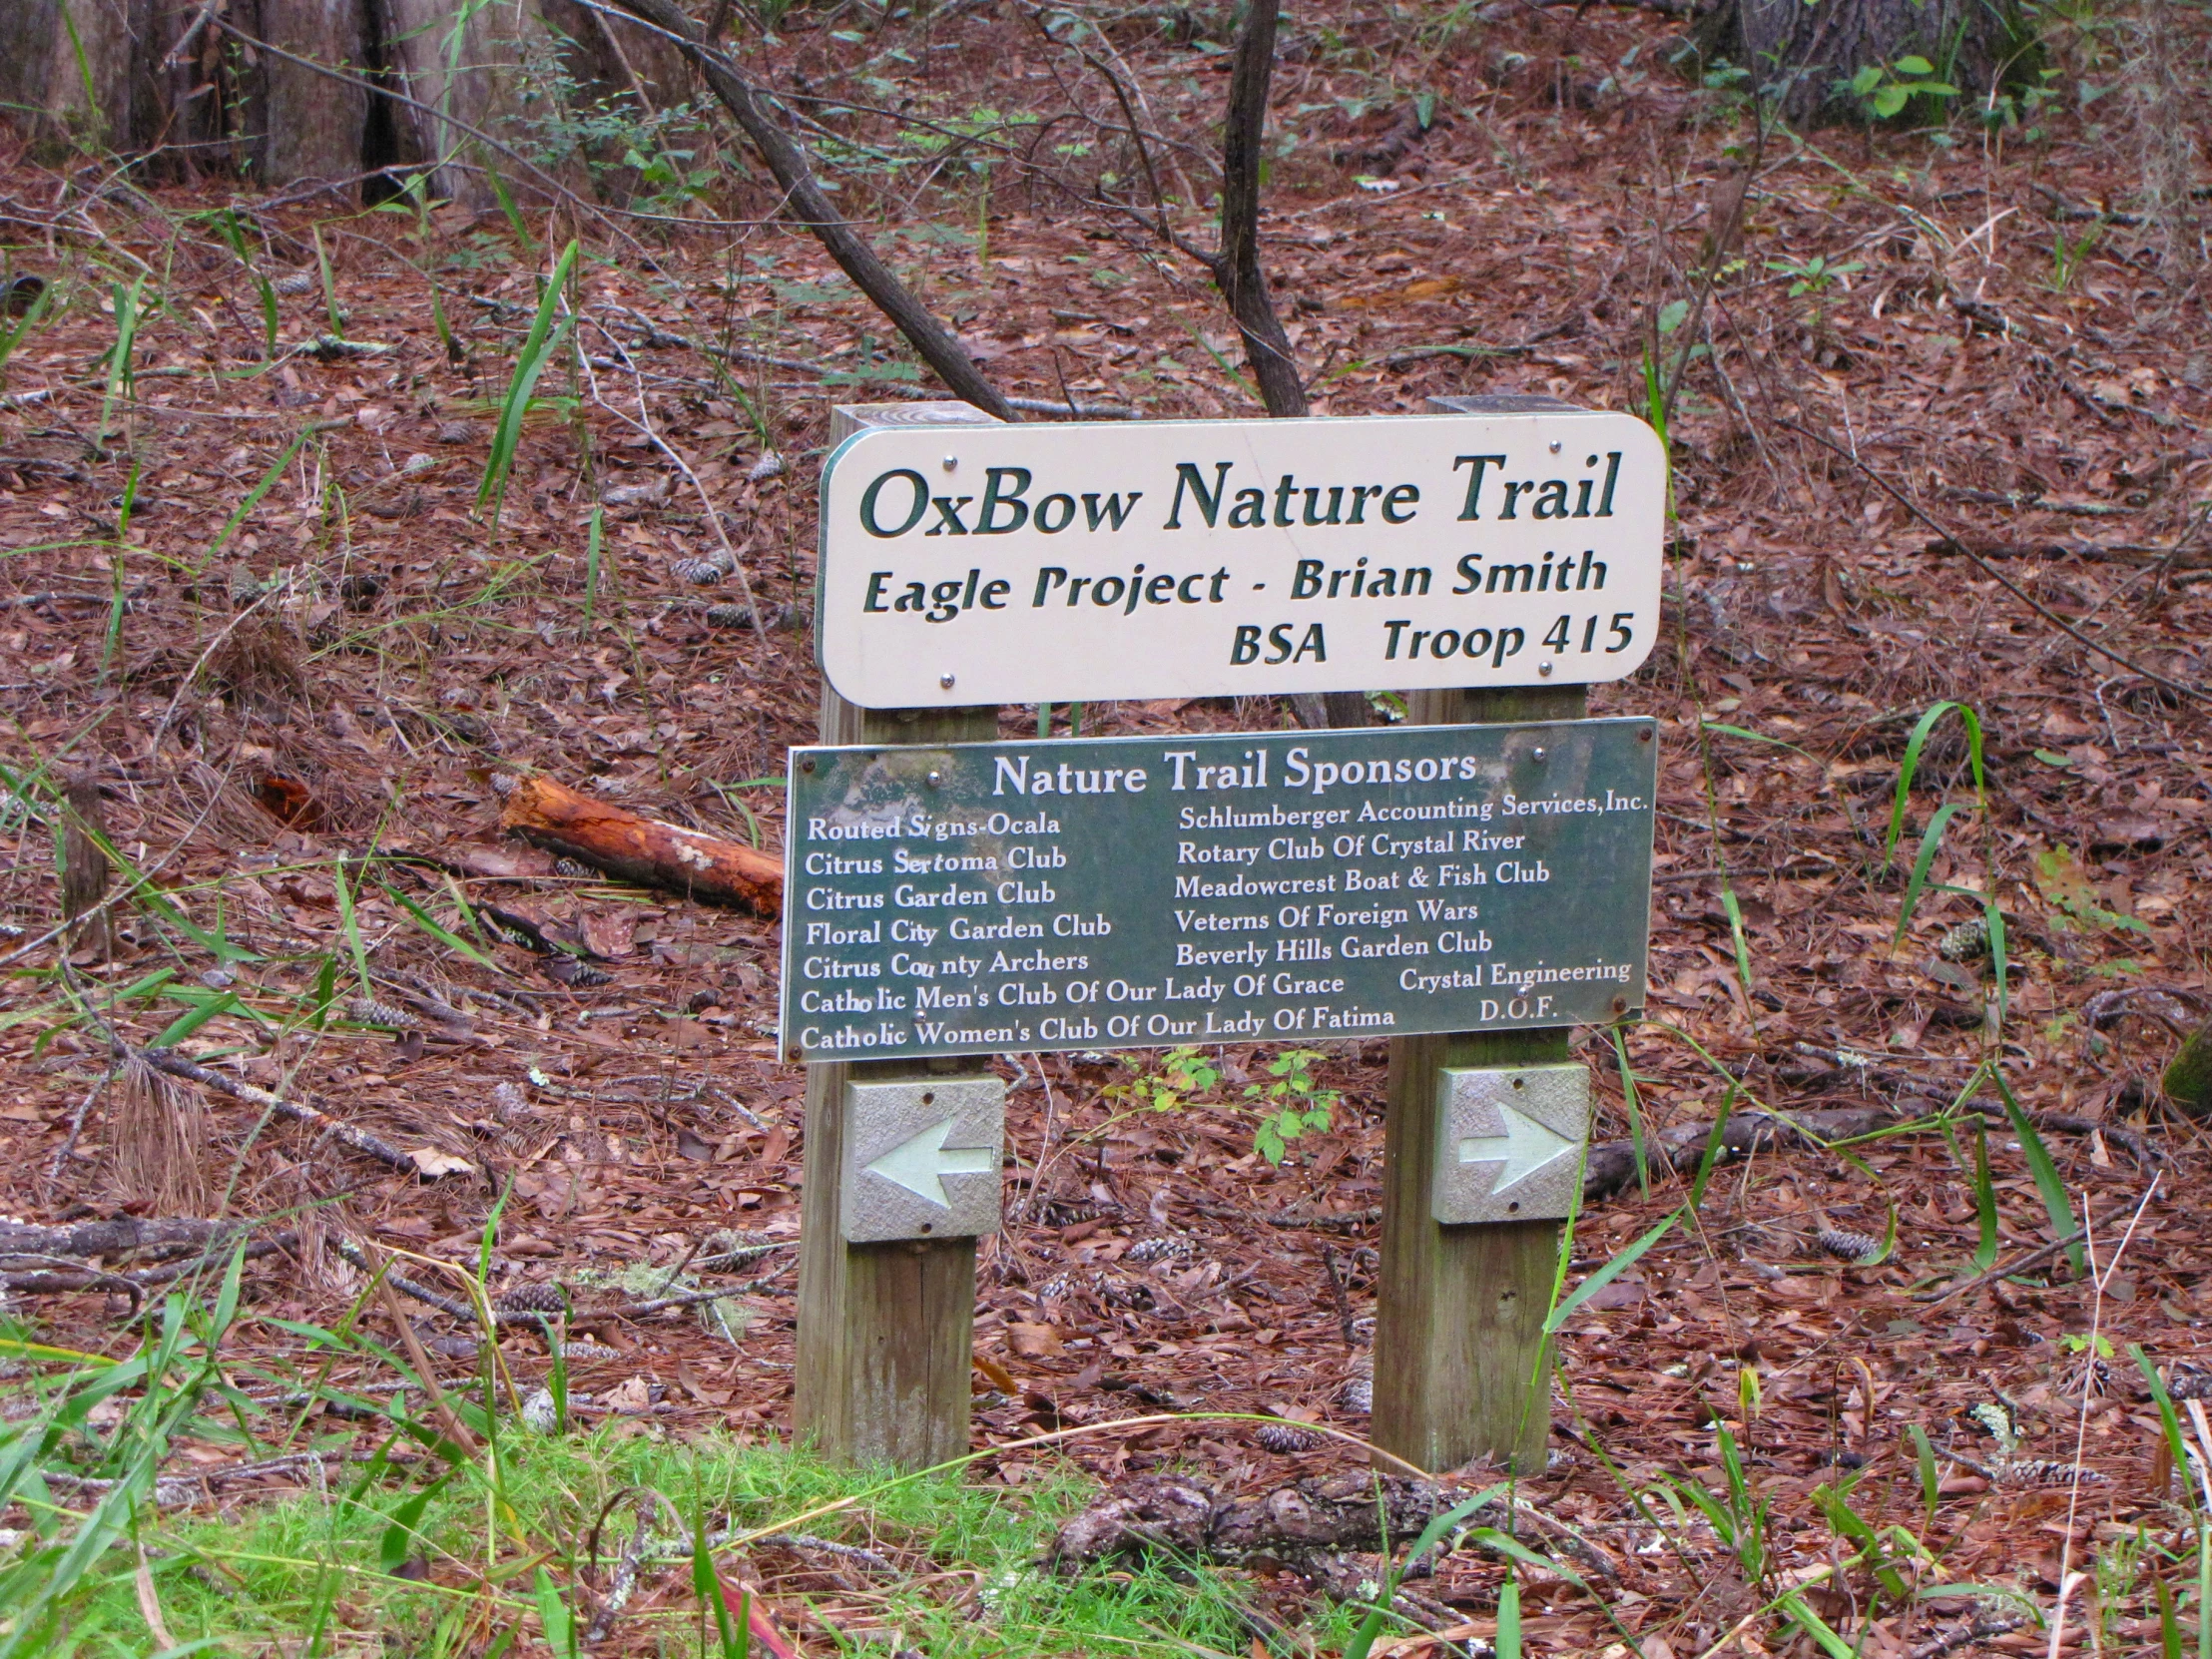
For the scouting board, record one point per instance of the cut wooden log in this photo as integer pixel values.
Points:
(642, 850)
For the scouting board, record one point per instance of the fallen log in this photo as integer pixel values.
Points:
(63, 1274)
(642, 850)
(116, 1235)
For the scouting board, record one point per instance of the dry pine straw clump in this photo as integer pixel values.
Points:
(634, 1104)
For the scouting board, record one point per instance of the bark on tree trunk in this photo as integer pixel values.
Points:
(303, 125)
(290, 87)
(466, 69)
(1804, 50)
(80, 90)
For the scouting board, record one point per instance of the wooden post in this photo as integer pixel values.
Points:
(1458, 1326)
(886, 1331)
(1459, 1314)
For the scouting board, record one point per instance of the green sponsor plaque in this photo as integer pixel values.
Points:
(1153, 892)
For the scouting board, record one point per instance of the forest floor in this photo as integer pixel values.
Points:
(1942, 426)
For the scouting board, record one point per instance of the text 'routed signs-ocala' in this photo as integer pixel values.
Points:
(1035, 563)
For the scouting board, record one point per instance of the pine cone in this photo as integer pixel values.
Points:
(1287, 1438)
(1850, 1247)
(704, 573)
(575, 974)
(1064, 1287)
(1357, 1395)
(1967, 943)
(1172, 1246)
(530, 1299)
(574, 868)
(366, 1010)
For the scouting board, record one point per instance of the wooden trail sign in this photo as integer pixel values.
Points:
(1207, 558)
(949, 898)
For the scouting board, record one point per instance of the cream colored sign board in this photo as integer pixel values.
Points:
(1085, 562)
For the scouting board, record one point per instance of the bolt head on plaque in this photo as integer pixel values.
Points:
(922, 1158)
(1510, 1142)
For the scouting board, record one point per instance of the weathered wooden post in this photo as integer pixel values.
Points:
(885, 1327)
(1461, 1363)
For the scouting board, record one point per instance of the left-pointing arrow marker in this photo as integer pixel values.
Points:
(1524, 1148)
(920, 1162)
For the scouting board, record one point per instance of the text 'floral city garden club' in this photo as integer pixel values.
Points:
(1148, 893)
(1054, 563)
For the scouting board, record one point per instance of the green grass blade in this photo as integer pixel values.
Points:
(1634, 1106)
(1713, 1145)
(1605, 1274)
(10, 338)
(1999, 958)
(1755, 736)
(1736, 933)
(515, 221)
(591, 566)
(1924, 1456)
(1811, 1624)
(548, 329)
(329, 290)
(194, 1018)
(2176, 1446)
(261, 487)
(119, 355)
(1984, 1201)
(451, 940)
(1507, 1642)
(2056, 1202)
(351, 924)
(709, 1591)
(1912, 747)
(1931, 840)
(271, 317)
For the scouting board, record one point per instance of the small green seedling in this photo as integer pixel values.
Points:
(1883, 91)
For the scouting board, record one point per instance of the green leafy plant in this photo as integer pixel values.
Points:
(1181, 1075)
(2069, 253)
(1814, 275)
(1291, 1105)
(1882, 90)
(1431, 1535)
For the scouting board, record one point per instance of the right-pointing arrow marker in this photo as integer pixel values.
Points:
(921, 1162)
(1525, 1147)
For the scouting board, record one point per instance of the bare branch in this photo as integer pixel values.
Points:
(1237, 268)
(812, 208)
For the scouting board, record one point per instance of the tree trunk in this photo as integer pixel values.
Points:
(462, 72)
(291, 88)
(79, 91)
(1802, 52)
(301, 125)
